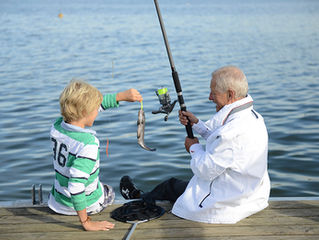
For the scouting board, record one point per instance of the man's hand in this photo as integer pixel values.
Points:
(189, 142)
(130, 95)
(184, 117)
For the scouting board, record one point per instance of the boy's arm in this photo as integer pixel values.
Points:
(130, 95)
(112, 100)
(89, 225)
(109, 101)
(80, 171)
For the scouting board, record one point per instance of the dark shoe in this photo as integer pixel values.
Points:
(128, 189)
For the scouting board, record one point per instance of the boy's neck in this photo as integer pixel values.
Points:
(78, 123)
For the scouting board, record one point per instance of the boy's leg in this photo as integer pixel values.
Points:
(169, 190)
(109, 197)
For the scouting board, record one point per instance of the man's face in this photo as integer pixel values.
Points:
(220, 99)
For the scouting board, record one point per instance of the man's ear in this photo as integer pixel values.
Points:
(231, 95)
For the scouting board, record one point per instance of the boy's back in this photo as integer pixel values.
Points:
(76, 162)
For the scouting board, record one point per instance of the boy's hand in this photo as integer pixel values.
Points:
(89, 225)
(130, 95)
(97, 225)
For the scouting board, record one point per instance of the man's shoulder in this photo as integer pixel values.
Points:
(249, 122)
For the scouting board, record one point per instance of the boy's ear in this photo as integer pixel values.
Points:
(84, 113)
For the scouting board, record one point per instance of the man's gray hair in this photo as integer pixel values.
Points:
(231, 78)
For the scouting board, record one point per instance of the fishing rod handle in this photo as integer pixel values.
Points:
(189, 130)
(179, 92)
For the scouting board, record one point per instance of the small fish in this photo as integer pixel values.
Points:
(140, 131)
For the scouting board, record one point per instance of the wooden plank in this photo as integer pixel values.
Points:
(162, 232)
(44, 211)
(168, 221)
(50, 227)
(288, 212)
(281, 220)
(162, 226)
(105, 235)
(246, 238)
(314, 237)
(293, 204)
(165, 233)
(110, 236)
(272, 205)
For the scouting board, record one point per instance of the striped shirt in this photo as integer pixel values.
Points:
(76, 161)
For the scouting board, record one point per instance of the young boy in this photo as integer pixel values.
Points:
(77, 189)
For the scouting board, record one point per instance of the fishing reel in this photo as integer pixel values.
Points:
(165, 100)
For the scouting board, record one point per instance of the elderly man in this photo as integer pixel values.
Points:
(230, 179)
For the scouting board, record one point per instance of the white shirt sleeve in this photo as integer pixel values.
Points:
(202, 129)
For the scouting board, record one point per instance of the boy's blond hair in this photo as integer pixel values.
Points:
(78, 100)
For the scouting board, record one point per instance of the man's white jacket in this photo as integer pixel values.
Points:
(230, 179)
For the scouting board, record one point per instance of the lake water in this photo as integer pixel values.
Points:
(116, 45)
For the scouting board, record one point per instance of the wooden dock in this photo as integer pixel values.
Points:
(289, 220)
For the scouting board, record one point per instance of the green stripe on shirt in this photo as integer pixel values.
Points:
(109, 101)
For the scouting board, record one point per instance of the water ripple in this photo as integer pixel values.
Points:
(118, 44)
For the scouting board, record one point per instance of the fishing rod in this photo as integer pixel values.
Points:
(177, 83)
